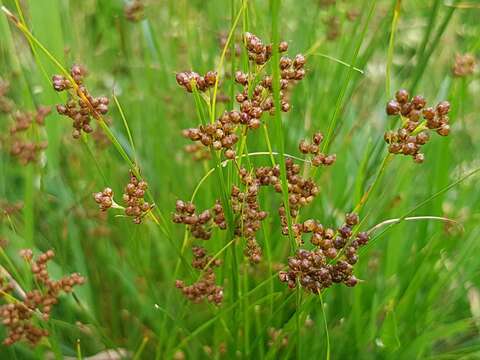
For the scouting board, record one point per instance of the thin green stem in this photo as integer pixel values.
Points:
(327, 334)
(222, 59)
(277, 121)
(396, 16)
(125, 123)
(375, 183)
(346, 83)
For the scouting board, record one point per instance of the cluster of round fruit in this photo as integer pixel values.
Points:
(245, 204)
(332, 259)
(313, 148)
(81, 106)
(205, 288)
(409, 139)
(464, 65)
(197, 151)
(104, 199)
(133, 196)
(19, 316)
(190, 79)
(218, 135)
(256, 98)
(200, 224)
(6, 104)
(24, 150)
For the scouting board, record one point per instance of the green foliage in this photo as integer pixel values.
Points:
(419, 296)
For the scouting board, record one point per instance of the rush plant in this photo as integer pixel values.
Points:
(253, 205)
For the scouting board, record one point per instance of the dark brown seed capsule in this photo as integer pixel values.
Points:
(402, 96)
(419, 158)
(418, 102)
(283, 46)
(443, 108)
(444, 130)
(393, 107)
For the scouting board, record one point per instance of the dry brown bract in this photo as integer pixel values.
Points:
(409, 139)
(21, 317)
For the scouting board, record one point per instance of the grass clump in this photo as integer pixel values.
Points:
(258, 140)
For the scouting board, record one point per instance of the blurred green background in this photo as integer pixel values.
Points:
(420, 293)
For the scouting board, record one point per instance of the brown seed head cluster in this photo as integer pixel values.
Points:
(198, 152)
(81, 106)
(326, 3)
(301, 192)
(255, 99)
(20, 317)
(313, 148)
(135, 204)
(100, 138)
(261, 99)
(219, 135)
(222, 41)
(333, 28)
(223, 98)
(464, 65)
(134, 10)
(205, 288)
(253, 251)
(313, 269)
(8, 209)
(277, 338)
(25, 120)
(104, 199)
(257, 51)
(21, 147)
(335, 251)
(190, 79)
(413, 135)
(5, 286)
(245, 204)
(6, 104)
(352, 14)
(200, 224)
(98, 226)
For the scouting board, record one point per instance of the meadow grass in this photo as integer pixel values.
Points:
(419, 294)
